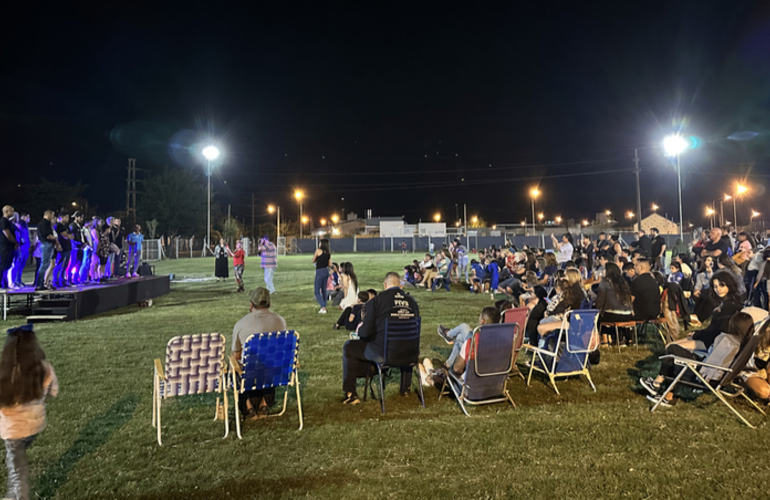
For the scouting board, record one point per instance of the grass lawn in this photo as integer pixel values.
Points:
(100, 444)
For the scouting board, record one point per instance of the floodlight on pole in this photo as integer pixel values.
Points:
(299, 195)
(437, 217)
(754, 214)
(277, 210)
(674, 146)
(210, 152)
(534, 193)
(335, 218)
(655, 207)
(740, 190)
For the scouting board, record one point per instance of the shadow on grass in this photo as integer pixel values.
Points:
(286, 487)
(94, 434)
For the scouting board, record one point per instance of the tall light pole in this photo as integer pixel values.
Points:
(534, 193)
(739, 190)
(276, 209)
(210, 153)
(298, 194)
(710, 213)
(722, 208)
(674, 146)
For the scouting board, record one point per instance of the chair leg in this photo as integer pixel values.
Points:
(382, 389)
(669, 389)
(227, 407)
(722, 398)
(419, 385)
(299, 402)
(617, 337)
(588, 376)
(531, 369)
(754, 404)
(154, 398)
(237, 410)
(510, 399)
(367, 383)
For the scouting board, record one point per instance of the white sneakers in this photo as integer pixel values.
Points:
(322, 311)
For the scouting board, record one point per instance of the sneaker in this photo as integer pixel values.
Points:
(649, 384)
(250, 415)
(263, 412)
(442, 332)
(322, 311)
(668, 403)
(424, 375)
(428, 364)
(351, 400)
(128, 275)
(134, 275)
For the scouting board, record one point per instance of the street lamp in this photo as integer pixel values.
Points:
(437, 217)
(674, 146)
(534, 193)
(558, 219)
(335, 218)
(710, 213)
(585, 223)
(754, 214)
(540, 216)
(210, 153)
(277, 209)
(655, 207)
(629, 215)
(740, 189)
(298, 194)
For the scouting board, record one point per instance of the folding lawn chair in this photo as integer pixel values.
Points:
(444, 280)
(571, 345)
(517, 316)
(402, 350)
(727, 386)
(268, 360)
(491, 359)
(195, 364)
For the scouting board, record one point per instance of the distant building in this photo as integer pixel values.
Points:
(664, 225)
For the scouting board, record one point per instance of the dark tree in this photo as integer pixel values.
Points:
(54, 196)
(176, 198)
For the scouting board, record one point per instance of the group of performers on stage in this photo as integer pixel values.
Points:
(67, 251)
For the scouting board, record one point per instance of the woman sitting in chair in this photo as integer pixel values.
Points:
(757, 379)
(722, 352)
(570, 297)
(613, 299)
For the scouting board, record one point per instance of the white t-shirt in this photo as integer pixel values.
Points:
(565, 253)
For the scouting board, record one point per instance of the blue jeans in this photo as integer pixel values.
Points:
(463, 264)
(85, 265)
(22, 256)
(460, 334)
(18, 468)
(134, 255)
(319, 289)
(60, 271)
(46, 252)
(269, 271)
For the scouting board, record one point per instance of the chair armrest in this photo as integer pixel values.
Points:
(159, 369)
(235, 365)
(686, 361)
(539, 350)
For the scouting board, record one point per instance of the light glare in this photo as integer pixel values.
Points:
(211, 152)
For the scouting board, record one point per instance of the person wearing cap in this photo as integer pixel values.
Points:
(269, 261)
(261, 319)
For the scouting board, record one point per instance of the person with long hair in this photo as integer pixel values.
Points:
(548, 271)
(757, 379)
(702, 295)
(613, 299)
(321, 259)
(26, 380)
(350, 286)
(724, 262)
(726, 345)
(571, 296)
(221, 270)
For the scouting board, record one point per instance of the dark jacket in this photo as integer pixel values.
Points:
(678, 302)
(393, 303)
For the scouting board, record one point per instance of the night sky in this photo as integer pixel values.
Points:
(405, 109)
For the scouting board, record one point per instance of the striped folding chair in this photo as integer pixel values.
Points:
(268, 360)
(195, 364)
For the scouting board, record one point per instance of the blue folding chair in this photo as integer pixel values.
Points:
(444, 280)
(268, 360)
(566, 350)
(490, 361)
(402, 350)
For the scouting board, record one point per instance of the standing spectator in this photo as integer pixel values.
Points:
(645, 243)
(462, 260)
(238, 264)
(403, 247)
(564, 249)
(8, 245)
(220, 260)
(88, 252)
(63, 257)
(321, 259)
(135, 241)
(76, 229)
(269, 260)
(45, 236)
(22, 254)
(658, 249)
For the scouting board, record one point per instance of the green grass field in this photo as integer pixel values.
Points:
(100, 444)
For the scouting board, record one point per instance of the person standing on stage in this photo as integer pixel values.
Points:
(220, 260)
(239, 258)
(116, 243)
(76, 229)
(63, 257)
(269, 261)
(47, 241)
(8, 245)
(135, 240)
(88, 250)
(22, 254)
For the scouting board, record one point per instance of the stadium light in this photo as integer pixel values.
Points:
(674, 146)
(210, 152)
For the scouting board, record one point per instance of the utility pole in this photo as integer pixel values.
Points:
(638, 191)
(465, 221)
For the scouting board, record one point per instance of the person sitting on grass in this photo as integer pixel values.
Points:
(428, 271)
(351, 316)
(255, 404)
(477, 275)
(458, 336)
(357, 354)
(722, 352)
(756, 377)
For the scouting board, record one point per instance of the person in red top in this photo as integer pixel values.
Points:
(238, 264)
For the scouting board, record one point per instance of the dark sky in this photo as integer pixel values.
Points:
(401, 108)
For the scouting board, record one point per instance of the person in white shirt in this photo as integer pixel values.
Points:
(564, 248)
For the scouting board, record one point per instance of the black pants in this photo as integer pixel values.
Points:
(667, 366)
(255, 397)
(608, 317)
(343, 321)
(6, 260)
(355, 365)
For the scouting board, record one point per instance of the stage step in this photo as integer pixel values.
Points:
(45, 317)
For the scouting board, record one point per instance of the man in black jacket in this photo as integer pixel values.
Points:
(357, 354)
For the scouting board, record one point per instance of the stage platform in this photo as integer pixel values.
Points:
(80, 301)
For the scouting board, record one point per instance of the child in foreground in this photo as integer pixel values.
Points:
(26, 379)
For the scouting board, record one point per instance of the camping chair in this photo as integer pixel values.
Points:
(444, 280)
(630, 324)
(195, 364)
(578, 333)
(726, 387)
(268, 360)
(517, 316)
(491, 359)
(402, 350)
